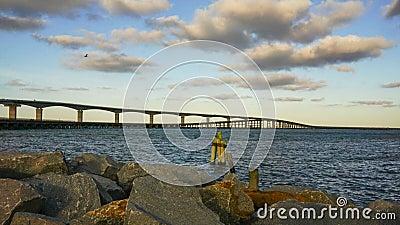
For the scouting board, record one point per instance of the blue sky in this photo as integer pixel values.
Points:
(327, 62)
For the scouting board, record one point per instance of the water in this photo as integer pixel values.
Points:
(362, 165)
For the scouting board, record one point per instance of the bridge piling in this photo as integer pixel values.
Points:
(116, 118)
(39, 114)
(80, 116)
(12, 110)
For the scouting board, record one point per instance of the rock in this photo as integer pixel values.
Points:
(35, 219)
(156, 202)
(390, 209)
(108, 189)
(228, 200)
(233, 177)
(128, 173)
(16, 196)
(110, 214)
(259, 198)
(18, 165)
(67, 197)
(96, 164)
(288, 188)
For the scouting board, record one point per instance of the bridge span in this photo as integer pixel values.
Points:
(234, 121)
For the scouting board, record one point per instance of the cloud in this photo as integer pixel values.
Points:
(135, 8)
(76, 89)
(289, 99)
(103, 62)
(375, 103)
(46, 89)
(133, 36)
(16, 83)
(317, 99)
(11, 23)
(344, 68)
(56, 7)
(73, 42)
(393, 9)
(105, 88)
(257, 82)
(230, 96)
(391, 85)
(329, 50)
(243, 23)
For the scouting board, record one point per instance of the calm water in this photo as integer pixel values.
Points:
(362, 165)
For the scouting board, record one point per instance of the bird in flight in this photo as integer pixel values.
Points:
(86, 55)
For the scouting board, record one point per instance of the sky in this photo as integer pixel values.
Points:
(327, 62)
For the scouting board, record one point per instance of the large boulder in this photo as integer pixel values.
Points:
(108, 189)
(96, 164)
(110, 214)
(16, 196)
(67, 197)
(154, 202)
(20, 218)
(128, 173)
(228, 200)
(18, 165)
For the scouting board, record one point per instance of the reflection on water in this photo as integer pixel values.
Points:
(359, 164)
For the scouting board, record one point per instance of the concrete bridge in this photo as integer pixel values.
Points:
(230, 121)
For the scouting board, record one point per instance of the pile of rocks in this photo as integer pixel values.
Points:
(42, 188)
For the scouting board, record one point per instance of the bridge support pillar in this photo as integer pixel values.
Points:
(12, 111)
(39, 114)
(116, 117)
(80, 116)
(182, 120)
(151, 119)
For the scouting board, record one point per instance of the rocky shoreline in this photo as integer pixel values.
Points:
(44, 188)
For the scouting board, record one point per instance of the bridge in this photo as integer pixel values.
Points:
(229, 122)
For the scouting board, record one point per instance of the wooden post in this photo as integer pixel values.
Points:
(253, 179)
(223, 147)
(230, 163)
(213, 150)
(219, 148)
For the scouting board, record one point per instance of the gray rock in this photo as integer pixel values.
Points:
(16, 196)
(96, 164)
(288, 188)
(20, 218)
(228, 200)
(128, 173)
(160, 203)
(67, 197)
(18, 165)
(110, 214)
(108, 189)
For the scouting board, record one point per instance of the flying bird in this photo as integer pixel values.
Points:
(86, 55)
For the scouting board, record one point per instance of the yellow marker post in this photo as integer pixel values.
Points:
(223, 147)
(213, 150)
(219, 149)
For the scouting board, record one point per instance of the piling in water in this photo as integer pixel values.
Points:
(253, 180)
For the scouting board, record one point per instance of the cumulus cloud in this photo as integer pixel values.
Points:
(375, 103)
(289, 99)
(11, 23)
(135, 8)
(75, 42)
(103, 62)
(16, 83)
(391, 85)
(329, 50)
(133, 36)
(317, 99)
(344, 68)
(393, 9)
(242, 23)
(56, 7)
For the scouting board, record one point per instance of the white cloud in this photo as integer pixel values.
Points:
(76, 89)
(344, 68)
(393, 9)
(135, 8)
(375, 103)
(103, 62)
(329, 50)
(317, 99)
(11, 23)
(391, 85)
(133, 36)
(75, 42)
(230, 97)
(32, 89)
(289, 99)
(16, 83)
